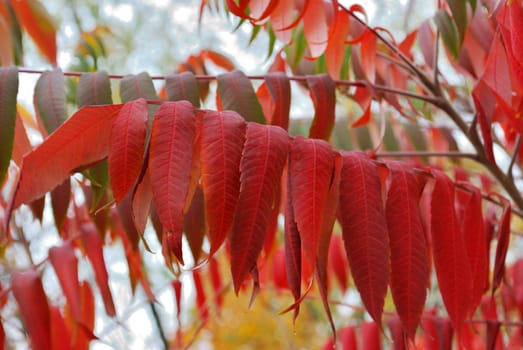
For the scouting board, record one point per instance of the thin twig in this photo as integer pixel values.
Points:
(411, 154)
(510, 169)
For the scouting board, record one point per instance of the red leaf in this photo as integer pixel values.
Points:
(448, 249)
(279, 88)
(177, 288)
(264, 155)
(21, 144)
(311, 171)
(503, 236)
(484, 103)
(497, 73)
(94, 89)
(29, 294)
(368, 55)
(194, 224)
(335, 50)
(126, 149)
(70, 147)
(60, 198)
(475, 238)
(8, 92)
(94, 250)
(60, 336)
(261, 9)
(141, 201)
(236, 93)
(35, 19)
(370, 336)
(362, 218)
(348, 338)
(282, 20)
(292, 247)
(410, 270)
(279, 276)
(338, 263)
(216, 281)
(201, 299)
(315, 27)
(222, 138)
(170, 163)
(65, 264)
(323, 94)
(49, 99)
(182, 86)
(125, 216)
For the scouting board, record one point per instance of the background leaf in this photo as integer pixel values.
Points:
(182, 86)
(8, 93)
(94, 89)
(49, 99)
(323, 93)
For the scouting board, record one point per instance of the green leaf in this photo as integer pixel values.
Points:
(459, 13)
(8, 92)
(49, 99)
(448, 31)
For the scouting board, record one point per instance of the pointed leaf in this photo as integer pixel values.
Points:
(65, 264)
(29, 294)
(35, 19)
(222, 139)
(182, 86)
(60, 198)
(279, 88)
(60, 336)
(311, 170)
(8, 92)
(475, 238)
(194, 224)
(236, 93)
(448, 31)
(141, 201)
(133, 87)
(448, 249)
(49, 99)
(125, 214)
(264, 155)
(70, 147)
(21, 144)
(503, 235)
(94, 250)
(201, 298)
(170, 162)
(410, 270)
(218, 59)
(362, 217)
(315, 27)
(126, 149)
(368, 55)
(335, 51)
(323, 95)
(94, 89)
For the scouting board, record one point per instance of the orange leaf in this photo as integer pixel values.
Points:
(315, 27)
(336, 47)
(35, 19)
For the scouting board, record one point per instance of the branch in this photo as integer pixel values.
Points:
(411, 154)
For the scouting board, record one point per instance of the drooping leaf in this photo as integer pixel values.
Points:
(125, 214)
(311, 167)
(94, 249)
(141, 200)
(170, 162)
(475, 238)
(60, 198)
(60, 335)
(194, 224)
(126, 149)
(264, 155)
(49, 99)
(323, 95)
(503, 235)
(338, 264)
(65, 264)
(201, 298)
(410, 270)
(182, 86)
(279, 88)
(93, 89)
(315, 27)
(70, 147)
(222, 139)
(133, 87)
(29, 294)
(218, 59)
(35, 19)
(8, 93)
(368, 55)
(370, 336)
(362, 217)
(458, 9)
(21, 144)
(282, 20)
(236, 93)
(335, 51)
(448, 250)
(292, 247)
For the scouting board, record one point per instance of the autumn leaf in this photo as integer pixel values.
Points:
(182, 86)
(94, 89)
(363, 220)
(49, 99)
(170, 162)
(264, 155)
(67, 149)
(323, 94)
(133, 87)
(126, 149)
